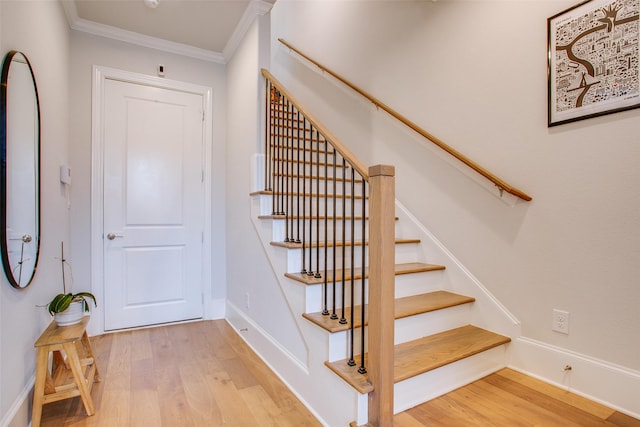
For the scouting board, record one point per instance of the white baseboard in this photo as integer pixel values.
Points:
(268, 350)
(606, 383)
(20, 404)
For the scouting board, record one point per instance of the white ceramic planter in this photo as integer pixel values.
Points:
(71, 315)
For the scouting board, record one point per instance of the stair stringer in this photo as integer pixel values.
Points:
(333, 402)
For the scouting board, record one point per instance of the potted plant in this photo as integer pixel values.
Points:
(68, 308)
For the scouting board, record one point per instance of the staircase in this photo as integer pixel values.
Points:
(441, 335)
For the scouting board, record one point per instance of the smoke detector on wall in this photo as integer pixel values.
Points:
(151, 4)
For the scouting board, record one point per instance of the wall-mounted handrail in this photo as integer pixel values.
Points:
(500, 183)
(337, 145)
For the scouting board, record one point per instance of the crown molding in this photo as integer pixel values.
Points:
(146, 41)
(255, 8)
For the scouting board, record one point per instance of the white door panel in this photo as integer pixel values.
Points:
(153, 205)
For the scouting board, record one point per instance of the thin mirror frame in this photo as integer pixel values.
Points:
(3, 171)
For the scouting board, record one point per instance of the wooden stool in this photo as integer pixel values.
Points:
(70, 376)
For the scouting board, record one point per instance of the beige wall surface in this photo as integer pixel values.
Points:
(39, 29)
(474, 74)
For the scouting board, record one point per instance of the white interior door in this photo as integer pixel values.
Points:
(153, 205)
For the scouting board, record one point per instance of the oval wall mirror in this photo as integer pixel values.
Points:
(20, 170)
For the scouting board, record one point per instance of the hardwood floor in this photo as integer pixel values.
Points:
(192, 374)
(509, 398)
(203, 374)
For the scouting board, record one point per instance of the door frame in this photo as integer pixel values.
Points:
(100, 75)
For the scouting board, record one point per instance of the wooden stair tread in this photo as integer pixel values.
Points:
(404, 307)
(406, 268)
(293, 245)
(425, 354)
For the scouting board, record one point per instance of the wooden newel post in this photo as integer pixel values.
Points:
(381, 293)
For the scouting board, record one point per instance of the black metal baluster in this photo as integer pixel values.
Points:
(298, 176)
(285, 160)
(276, 163)
(304, 193)
(267, 130)
(290, 179)
(325, 310)
(343, 319)
(362, 369)
(283, 177)
(281, 157)
(317, 275)
(334, 315)
(352, 362)
(310, 247)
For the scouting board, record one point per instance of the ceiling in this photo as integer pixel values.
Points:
(205, 29)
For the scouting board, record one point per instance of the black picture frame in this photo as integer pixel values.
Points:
(593, 60)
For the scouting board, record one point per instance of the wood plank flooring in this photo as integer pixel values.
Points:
(510, 399)
(203, 374)
(192, 374)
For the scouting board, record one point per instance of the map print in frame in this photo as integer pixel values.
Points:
(593, 60)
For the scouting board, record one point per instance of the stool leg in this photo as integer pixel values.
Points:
(81, 381)
(87, 346)
(42, 360)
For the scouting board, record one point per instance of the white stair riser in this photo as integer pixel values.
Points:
(425, 324)
(405, 330)
(406, 285)
(403, 255)
(294, 181)
(315, 296)
(418, 283)
(438, 382)
(308, 206)
(297, 232)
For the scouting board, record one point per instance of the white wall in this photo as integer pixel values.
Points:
(88, 50)
(249, 273)
(39, 29)
(473, 73)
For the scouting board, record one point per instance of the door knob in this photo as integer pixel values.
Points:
(112, 236)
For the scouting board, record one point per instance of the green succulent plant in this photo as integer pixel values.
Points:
(62, 301)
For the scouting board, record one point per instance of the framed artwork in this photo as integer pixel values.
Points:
(593, 53)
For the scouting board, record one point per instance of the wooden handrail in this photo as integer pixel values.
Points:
(501, 184)
(337, 145)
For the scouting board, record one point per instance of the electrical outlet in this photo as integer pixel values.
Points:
(560, 321)
(246, 300)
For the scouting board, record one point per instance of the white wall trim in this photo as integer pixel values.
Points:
(262, 343)
(6, 420)
(114, 33)
(255, 8)
(611, 385)
(100, 75)
(243, 324)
